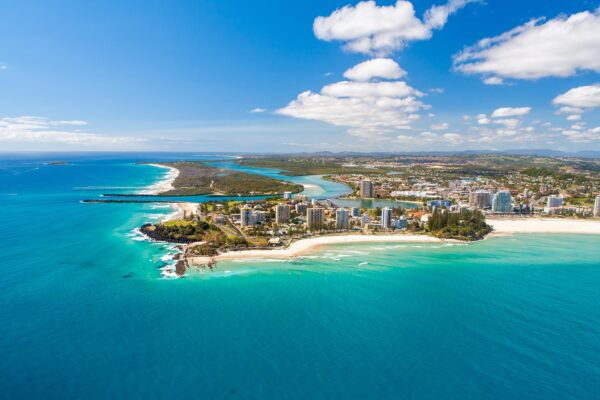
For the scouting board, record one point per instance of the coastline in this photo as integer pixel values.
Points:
(304, 246)
(165, 184)
(502, 227)
(508, 225)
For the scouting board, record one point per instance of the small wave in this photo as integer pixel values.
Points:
(264, 260)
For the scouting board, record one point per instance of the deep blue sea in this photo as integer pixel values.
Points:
(84, 313)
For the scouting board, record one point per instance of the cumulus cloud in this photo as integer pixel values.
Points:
(453, 138)
(580, 135)
(439, 127)
(493, 80)
(510, 112)
(579, 98)
(367, 109)
(371, 29)
(558, 47)
(38, 129)
(383, 68)
(258, 110)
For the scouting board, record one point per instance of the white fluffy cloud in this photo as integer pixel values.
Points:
(558, 47)
(579, 98)
(371, 29)
(578, 134)
(367, 109)
(383, 68)
(258, 110)
(38, 129)
(440, 127)
(493, 80)
(503, 112)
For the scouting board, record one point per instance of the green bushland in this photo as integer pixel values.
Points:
(196, 178)
(178, 231)
(466, 225)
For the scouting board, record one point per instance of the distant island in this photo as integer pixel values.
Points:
(59, 162)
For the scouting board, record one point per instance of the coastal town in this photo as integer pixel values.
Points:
(444, 209)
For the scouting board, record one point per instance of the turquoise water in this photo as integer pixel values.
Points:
(84, 313)
(317, 187)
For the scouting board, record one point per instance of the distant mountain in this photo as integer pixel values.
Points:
(513, 152)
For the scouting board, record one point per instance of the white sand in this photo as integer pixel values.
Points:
(304, 245)
(543, 225)
(165, 184)
(188, 208)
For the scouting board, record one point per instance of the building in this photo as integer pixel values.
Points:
(282, 213)
(481, 199)
(301, 208)
(341, 218)
(287, 195)
(401, 223)
(315, 218)
(355, 212)
(597, 207)
(246, 216)
(259, 217)
(364, 220)
(554, 201)
(439, 203)
(386, 217)
(366, 189)
(502, 202)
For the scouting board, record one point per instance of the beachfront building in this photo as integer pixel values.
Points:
(481, 199)
(366, 189)
(502, 202)
(246, 216)
(386, 217)
(355, 212)
(554, 201)
(341, 218)
(314, 218)
(597, 207)
(287, 195)
(282, 213)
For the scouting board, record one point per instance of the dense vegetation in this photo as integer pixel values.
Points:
(198, 178)
(466, 225)
(178, 231)
(216, 242)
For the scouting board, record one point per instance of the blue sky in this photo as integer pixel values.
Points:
(186, 75)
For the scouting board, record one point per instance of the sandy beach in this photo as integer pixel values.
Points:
(166, 183)
(303, 246)
(504, 226)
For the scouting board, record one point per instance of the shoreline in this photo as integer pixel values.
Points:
(165, 184)
(509, 225)
(502, 227)
(303, 246)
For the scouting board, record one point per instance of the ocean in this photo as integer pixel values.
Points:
(84, 312)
